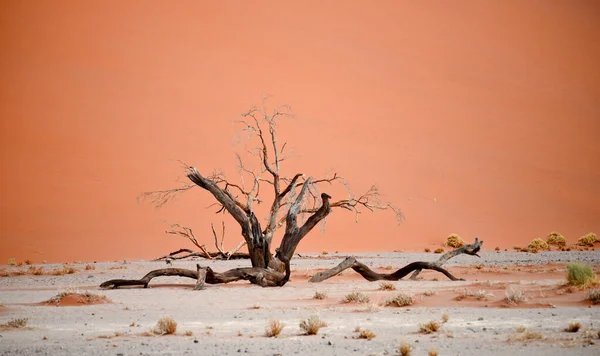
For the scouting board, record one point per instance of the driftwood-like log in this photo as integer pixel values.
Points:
(261, 276)
(370, 275)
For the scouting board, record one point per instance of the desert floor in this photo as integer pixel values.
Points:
(231, 319)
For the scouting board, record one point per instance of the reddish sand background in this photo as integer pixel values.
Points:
(475, 118)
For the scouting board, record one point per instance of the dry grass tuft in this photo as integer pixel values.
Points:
(432, 352)
(445, 318)
(479, 295)
(573, 327)
(587, 240)
(356, 297)
(89, 267)
(514, 295)
(427, 249)
(387, 286)
(12, 261)
(430, 327)
(312, 325)
(37, 271)
(556, 239)
(273, 328)
(524, 335)
(19, 323)
(594, 295)
(371, 308)
(430, 292)
(365, 334)
(538, 245)
(320, 295)
(188, 333)
(405, 348)
(400, 300)
(82, 298)
(64, 270)
(454, 241)
(580, 275)
(438, 250)
(165, 326)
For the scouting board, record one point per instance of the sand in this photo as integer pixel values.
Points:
(231, 319)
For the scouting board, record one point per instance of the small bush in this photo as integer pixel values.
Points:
(427, 249)
(580, 275)
(36, 270)
(320, 295)
(587, 240)
(356, 297)
(165, 326)
(573, 327)
(400, 300)
(556, 239)
(365, 334)
(454, 241)
(18, 323)
(371, 308)
(445, 318)
(405, 348)
(438, 250)
(432, 352)
(594, 295)
(537, 245)
(479, 295)
(12, 261)
(312, 325)
(524, 335)
(429, 328)
(387, 286)
(89, 267)
(274, 328)
(514, 296)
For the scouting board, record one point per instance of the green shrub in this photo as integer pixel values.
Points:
(581, 275)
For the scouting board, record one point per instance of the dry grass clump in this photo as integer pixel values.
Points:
(587, 240)
(580, 275)
(273, 328)
(429, 327)
(312, 325)
(454, 241)
(514, 295)
(64, 270)
(89, 267)
(387, 286)
(479, 295)
(320, 295)
(538, 245)
(19, 323)
(12, 261)
(556, 239)
(524, 335)
(427, 249)
(37, 271)
(400, 300)
(445, 318)
(371, 308)
(594, 295)
(356, 297)
(188, 333)
(438, 250)
(432, 352)
(165, 326)
(364, 333)
(573, 327)
(405, 349)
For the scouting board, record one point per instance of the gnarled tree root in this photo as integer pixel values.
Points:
(261, 276)
(370, 275)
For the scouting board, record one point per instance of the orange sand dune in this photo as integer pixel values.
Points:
(475, 118)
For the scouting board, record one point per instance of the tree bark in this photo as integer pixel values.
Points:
(371, 275)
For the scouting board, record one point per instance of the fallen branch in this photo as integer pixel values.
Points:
(370, 275)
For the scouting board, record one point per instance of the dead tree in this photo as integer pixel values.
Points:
(298, 195)
(416, 267)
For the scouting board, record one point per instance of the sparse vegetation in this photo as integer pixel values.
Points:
(400, 300)
(538, 245)
(312, 325)
(429, 327)
(64, 270)
(556, 239)
(37, 271)
(594, 295)
(445, 318)
(165, 326)
(587, 240)
(405, 348)
(524, 335)
(387, 286)
(320, 295)
(371, 308)
(479, 295)
(356, 297)
(580, 275)
(438, 250)
(273, 328)
(12, 261)
(188, 333)
(365, 334)
(89, 267)
(18, 323)
(432, 352)
(514, 295)
(573, 327)
(427, 249)
(80, 297)
(454, 241)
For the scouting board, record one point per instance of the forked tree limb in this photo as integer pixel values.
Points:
(371, 275)
(261, 276)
